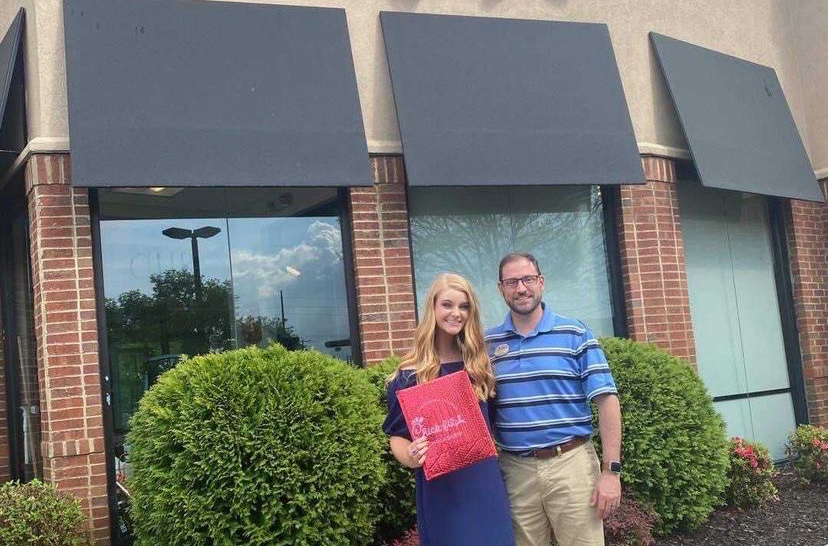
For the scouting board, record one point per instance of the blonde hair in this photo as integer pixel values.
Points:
(424, 358)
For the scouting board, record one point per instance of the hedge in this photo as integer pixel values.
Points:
(397, 509)
(259, 447)
(675, 448)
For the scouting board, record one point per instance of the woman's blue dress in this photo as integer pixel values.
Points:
(465, 507)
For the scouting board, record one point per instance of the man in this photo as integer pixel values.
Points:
(548, 370)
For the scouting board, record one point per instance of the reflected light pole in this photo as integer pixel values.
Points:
(193, 234)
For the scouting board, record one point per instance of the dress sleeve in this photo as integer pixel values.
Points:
(394, 424)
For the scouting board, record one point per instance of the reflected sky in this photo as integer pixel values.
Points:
(291, 263)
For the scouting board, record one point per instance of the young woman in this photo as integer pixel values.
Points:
(470, 505)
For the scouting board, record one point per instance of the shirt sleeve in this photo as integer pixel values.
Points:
(596, 377)
(394, 424)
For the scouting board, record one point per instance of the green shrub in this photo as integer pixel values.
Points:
(674, 443)
(751, 475)
(257, 447)
(397, 510)
(808, 451)
(37, 514)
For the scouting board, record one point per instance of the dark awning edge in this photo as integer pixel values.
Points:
(12, 122)
(494, 101)
(215, 93)
(12, 97)
(736, 121)
(9, 49)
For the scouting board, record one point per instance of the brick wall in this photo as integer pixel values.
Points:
(653, 263)
(66, 331)
(807, 227)
(385, 290)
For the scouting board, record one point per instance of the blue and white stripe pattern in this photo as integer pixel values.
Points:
(545, 381)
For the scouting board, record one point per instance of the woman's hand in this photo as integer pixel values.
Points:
(417, 452)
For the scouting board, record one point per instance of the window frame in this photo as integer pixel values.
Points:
(344, 217)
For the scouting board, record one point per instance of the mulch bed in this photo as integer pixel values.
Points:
(798, 518)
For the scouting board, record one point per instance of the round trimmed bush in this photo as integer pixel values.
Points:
(397, 508)
(258, 447)
(674, 445)
(37, 514)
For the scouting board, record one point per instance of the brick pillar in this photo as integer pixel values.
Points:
(384, 285)
(807, 227)
(653, 262)
(67, 338)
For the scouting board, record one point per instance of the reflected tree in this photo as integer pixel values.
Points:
(148, 332)
(458, 242)
(263, 330)
(172, 320)
(563, 228)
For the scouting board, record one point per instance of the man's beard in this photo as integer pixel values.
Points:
(525, 311)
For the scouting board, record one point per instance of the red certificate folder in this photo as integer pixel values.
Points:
(446, 410)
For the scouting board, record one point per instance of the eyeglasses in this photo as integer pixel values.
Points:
(528, 281)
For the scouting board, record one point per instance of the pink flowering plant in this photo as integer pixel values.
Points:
(808, 452)
(751, 475)
(411, 538)
(631, 525)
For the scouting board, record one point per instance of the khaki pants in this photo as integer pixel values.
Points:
(553, 495)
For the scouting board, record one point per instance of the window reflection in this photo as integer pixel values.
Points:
(19, 337)
(203, 270)
(467, 232)
(296, 294)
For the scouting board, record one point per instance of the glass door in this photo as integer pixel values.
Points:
(19, 343)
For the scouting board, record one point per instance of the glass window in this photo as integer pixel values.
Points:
(18, 333)
(189, 271)
(468, 230)
(735, 311)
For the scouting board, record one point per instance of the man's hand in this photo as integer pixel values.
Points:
(607, 494)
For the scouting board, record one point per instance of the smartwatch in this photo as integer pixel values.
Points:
(614, 467)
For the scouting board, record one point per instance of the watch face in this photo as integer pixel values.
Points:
(615, 466)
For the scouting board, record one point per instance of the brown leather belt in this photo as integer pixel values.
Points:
(560, 449)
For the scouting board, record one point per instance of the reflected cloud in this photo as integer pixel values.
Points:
(258, 275)
(328, 237)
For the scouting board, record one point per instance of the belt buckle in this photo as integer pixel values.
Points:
(553, 451)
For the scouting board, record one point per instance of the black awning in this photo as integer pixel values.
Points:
(12, 97)
(194, 93)
(483, 101)
(737, 122)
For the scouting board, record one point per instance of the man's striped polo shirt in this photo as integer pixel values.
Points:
(545, 381)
